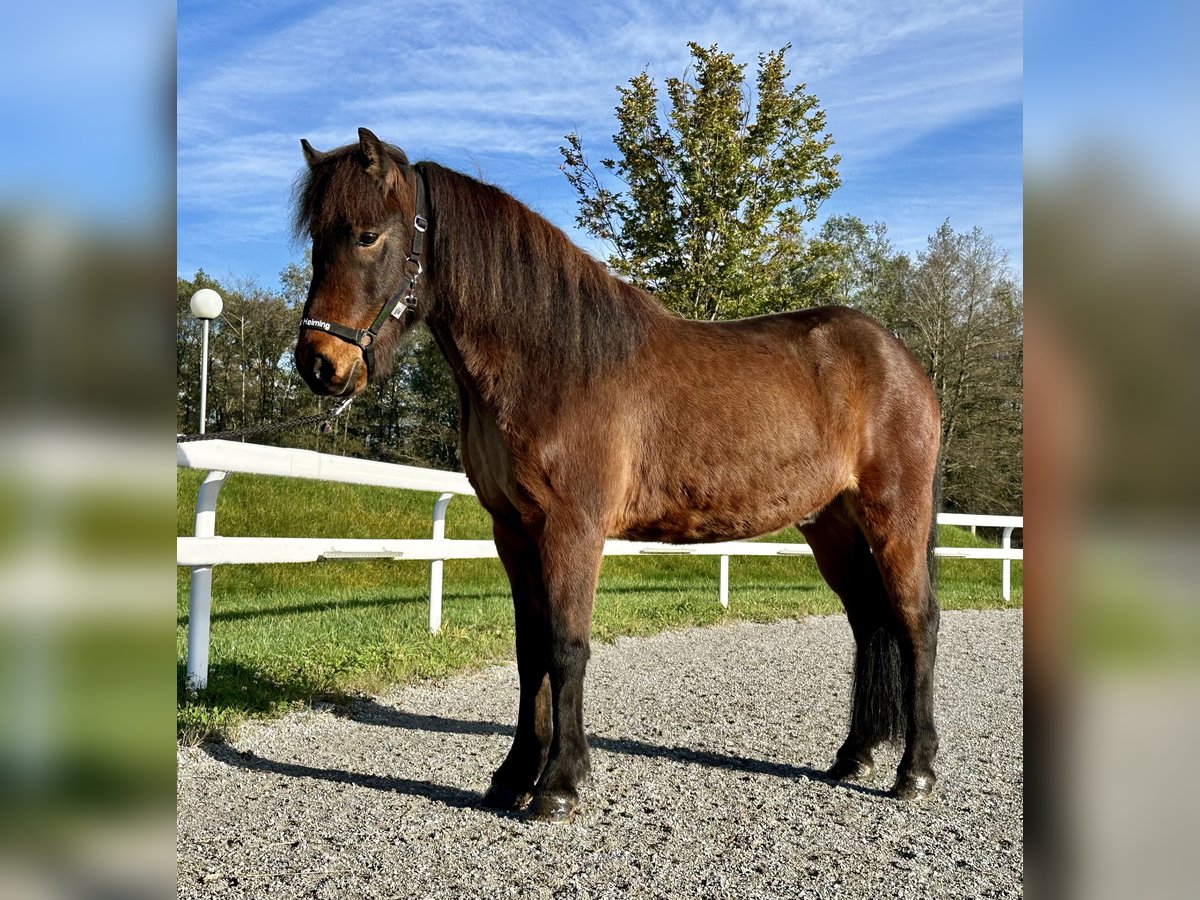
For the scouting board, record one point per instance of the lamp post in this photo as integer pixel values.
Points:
(206, 306)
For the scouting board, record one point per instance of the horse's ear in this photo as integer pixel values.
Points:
(311, 156)
(374, 155)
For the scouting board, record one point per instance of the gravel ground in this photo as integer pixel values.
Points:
(707, 747)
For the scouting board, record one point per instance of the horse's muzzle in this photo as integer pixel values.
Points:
(330, 366)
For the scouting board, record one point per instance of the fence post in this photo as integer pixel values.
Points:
(435, 567)
(1006, 543)
(200, 593)
(724, 590)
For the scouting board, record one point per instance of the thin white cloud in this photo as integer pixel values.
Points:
(508, 81)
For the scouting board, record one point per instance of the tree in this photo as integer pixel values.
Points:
(714, 199)
(294, 278)
(251, 379)
(431, 417)
(188, 351)
(961, 315)
(850, 263)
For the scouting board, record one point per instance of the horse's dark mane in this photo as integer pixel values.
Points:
(508, 274)
(338, 191)
(505, 275)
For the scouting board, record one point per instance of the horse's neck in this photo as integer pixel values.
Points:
(478, 379)
(492, 364)
(520, 347)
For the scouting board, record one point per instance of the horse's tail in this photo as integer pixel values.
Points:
(879, 711)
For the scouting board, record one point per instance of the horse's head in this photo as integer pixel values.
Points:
(359, 205)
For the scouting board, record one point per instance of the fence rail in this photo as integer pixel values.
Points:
(206, 549)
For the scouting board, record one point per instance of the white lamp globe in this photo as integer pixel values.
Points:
(206, 304)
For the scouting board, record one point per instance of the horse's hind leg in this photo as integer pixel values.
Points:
(877, 705)
(900, 536)
(513, 783)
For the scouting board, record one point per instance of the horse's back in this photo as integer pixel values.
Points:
(822, 371)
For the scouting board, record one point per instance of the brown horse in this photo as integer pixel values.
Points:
(589, 411)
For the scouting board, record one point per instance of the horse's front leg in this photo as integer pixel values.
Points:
(571, 558)
(513, 783)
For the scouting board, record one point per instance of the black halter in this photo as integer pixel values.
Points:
(364, 338)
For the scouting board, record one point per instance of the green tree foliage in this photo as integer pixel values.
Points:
(962, 315)
(248, 343)
(716, 189)
(851, 263)
(432, 401)
(294, 279)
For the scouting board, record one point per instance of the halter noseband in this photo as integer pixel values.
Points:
(364, 338)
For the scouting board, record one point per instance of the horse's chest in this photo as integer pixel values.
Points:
(488, 461)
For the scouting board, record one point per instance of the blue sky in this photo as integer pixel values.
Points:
(923, 100)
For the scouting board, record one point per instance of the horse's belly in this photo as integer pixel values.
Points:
(689, 530)
(682, 515)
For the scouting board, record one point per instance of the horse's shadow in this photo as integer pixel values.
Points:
(369, 712)
(441, 793)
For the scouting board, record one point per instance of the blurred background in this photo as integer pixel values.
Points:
(1112, 270)
(87, 401)
(86, 417)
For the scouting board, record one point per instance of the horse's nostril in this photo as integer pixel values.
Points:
(323, 369)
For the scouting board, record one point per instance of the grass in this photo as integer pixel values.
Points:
(285, 635)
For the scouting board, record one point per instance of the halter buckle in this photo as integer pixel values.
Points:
(421, 223)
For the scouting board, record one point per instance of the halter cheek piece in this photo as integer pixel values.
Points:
(398, 304)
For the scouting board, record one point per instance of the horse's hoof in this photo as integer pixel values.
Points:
(914, 787)
(505, 797)
(850, 770)
(552, 806)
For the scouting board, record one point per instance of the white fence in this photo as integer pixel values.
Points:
(206, 549)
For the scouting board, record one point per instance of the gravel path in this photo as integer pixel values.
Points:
(707, 747)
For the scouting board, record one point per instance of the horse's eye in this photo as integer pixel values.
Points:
(367, 238)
